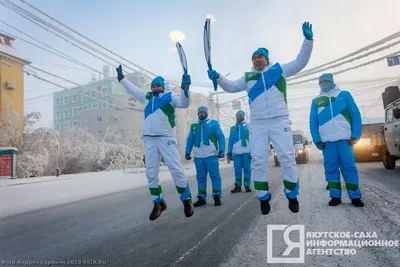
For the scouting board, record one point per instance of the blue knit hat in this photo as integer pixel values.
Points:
(202, 108)
(241, 113)
(326, 77)
(262, 51)
(159, 81)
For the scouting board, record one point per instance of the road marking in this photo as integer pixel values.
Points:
(210, 233)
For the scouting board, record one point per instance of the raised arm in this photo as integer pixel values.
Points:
(183, 101)
(295, 66)
(227, 85)
(180, 101)
(133, 89)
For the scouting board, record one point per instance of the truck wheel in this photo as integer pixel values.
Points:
(389, 161)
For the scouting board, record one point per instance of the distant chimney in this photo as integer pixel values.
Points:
(106, 71)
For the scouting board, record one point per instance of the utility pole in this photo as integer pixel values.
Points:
(217, 104)
(363, 108)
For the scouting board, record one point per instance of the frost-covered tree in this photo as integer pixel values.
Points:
(42, 150)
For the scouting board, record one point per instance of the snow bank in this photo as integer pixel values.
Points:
(21, 195)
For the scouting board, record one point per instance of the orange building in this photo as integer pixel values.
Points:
(11, 82)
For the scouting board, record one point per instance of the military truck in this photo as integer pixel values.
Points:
(387, 138)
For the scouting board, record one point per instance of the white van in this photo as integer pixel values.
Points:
(301, 148)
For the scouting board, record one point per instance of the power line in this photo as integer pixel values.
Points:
(58, 65)
(77, 84)
(60, 54)
(38, 97)
(365, 48)
(83, 36)
(147, 74)
(90, 89)
(306, 96)
(344, 62)
(40, 101)
(28, 15)
(18, 9)
(351, 68)
(77, 92)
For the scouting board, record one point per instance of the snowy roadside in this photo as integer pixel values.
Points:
(381, 214)
(22, 195)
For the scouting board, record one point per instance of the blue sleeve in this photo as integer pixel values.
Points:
(356, 121)
(314, 124)
(230, 141)
(189, 142)
(220, 137)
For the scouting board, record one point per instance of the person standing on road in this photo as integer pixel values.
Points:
(335, 125)
(269, 114)
(209, 146)
(239, 153)
(159, 134)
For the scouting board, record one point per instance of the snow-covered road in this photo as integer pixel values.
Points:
(115, 227)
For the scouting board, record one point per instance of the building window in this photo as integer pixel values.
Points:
(75, 98)
(66, 113)
(76, 123)
(94, 106)
(99, 119)
(110, 102)
(104, 105)
(58, 115)
(105, 91)
(93, 94)
(58, 102)
(76, 112)
(66, 100)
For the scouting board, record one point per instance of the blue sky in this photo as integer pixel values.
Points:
(139, 31)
